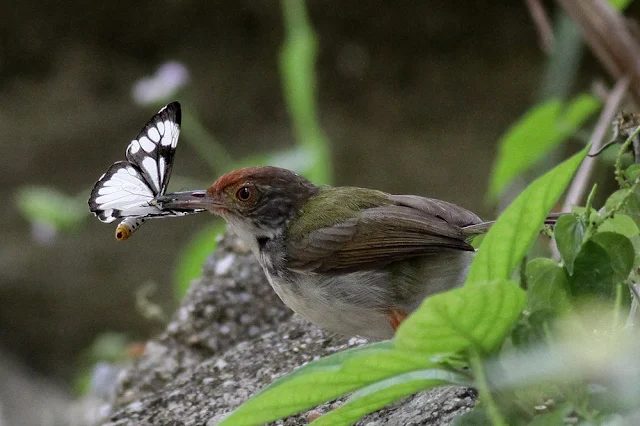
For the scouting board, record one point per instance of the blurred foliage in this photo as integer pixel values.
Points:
(193, 255)
(542, 129)
(620, 4)
(297, 68)
(207, 146)
(49, 206)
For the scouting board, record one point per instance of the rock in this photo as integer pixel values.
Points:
(231, 337)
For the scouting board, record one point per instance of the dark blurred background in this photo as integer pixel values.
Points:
(412, 95)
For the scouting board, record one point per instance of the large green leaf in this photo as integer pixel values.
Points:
(509, 239)
(322, 381)
(540, 130)
(331, 362)
(469, 318)
(381, 394)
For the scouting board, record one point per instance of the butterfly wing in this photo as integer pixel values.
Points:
(122, 192)
(152, 151)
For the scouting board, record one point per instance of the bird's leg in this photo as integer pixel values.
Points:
(396, 316)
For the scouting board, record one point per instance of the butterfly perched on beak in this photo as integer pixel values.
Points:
(128, 189)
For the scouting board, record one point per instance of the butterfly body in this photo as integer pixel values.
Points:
(128, 226)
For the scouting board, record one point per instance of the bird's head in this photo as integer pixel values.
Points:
(259, 201)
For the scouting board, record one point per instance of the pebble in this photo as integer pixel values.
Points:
(224, 265)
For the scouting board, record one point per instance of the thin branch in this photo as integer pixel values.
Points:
(580, 182)
(543, 25)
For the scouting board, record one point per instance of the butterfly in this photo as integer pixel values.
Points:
(128, 189)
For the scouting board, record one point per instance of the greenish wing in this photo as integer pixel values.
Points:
(449, 212)
(376, 237)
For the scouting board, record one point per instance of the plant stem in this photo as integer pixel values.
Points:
(297, 69)
(589, 204)
(564, 60)
(484, 393)
(618, 167)
(209, 149)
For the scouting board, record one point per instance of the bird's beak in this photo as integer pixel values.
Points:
(188, 200)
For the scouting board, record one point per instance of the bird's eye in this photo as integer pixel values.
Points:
(243, 194)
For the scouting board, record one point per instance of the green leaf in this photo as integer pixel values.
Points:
(540, 130)
(593, 272)
(632, 172)
(631, 207)
(192, 257)
(569, 233)
(473, 317)
(50, 206)
(548, 287)
(322, 381)
(605, 260)
(620, 251)
(509, 239)
(331, 362)
(615, 198)
(620, 224)
(381, 394)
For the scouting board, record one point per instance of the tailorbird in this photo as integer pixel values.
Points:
(353, 260)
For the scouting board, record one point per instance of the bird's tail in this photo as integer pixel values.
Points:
(481, 228)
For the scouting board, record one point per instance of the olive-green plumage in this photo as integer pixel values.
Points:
(333, 205)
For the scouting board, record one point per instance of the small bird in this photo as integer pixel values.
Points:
(352, 260)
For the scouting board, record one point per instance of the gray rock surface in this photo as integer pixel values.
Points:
(231, 337)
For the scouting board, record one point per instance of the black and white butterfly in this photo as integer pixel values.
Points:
(129, 188)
